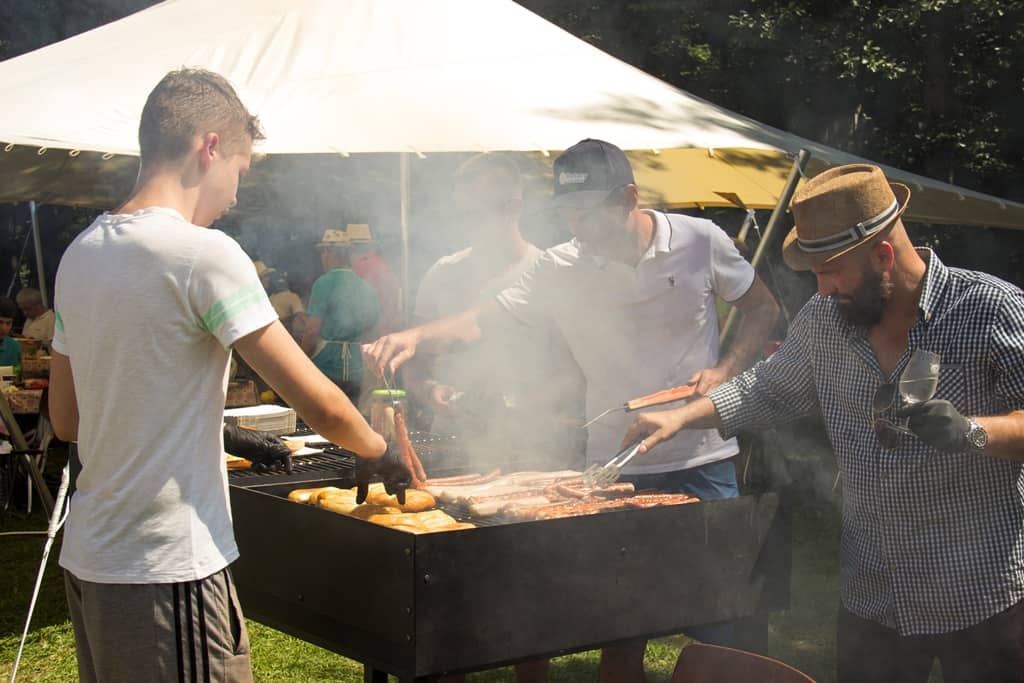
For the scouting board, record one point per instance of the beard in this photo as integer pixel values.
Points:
(866, 303)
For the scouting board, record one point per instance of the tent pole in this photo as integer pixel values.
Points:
(37, 243)
(795, 173)
(403, 192)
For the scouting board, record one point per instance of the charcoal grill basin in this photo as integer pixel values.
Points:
(417, 606)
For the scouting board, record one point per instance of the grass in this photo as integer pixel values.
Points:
(803, 636)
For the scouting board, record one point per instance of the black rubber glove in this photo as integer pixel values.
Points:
(264, 450)
(938, 424)
(390, 468)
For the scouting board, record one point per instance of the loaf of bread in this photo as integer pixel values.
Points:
(342, 506)
(304, 495)
(414, 517)
(313, 495)
(368, 510)
(331, 492)
(420, 522)
(236, 463)
(416, 500)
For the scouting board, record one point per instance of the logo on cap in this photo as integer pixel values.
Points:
(566, 178)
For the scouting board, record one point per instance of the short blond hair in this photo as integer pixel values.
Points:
(190, 102)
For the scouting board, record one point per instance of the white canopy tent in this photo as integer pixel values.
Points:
(412, 76)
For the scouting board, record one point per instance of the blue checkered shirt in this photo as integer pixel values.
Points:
(931, 542)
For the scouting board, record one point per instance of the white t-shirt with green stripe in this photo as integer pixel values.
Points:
(148, 306)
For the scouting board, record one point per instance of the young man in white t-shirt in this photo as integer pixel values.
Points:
(634, 298)
(149, 305)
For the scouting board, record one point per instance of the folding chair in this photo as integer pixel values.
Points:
(25, 455)
(702, 663)
(38, 440)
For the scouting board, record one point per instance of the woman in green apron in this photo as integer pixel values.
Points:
(342, 308)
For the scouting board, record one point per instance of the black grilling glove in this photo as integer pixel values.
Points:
(390, 468)
(938, 424)
(264, 450)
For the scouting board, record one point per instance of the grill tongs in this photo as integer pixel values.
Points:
(598, 476)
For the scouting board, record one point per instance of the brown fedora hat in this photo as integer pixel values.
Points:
(840, 209)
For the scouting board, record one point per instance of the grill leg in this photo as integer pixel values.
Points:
(371, 675)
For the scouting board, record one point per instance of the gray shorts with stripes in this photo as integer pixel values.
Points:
(191, 631)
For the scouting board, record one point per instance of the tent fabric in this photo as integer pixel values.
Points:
(401, 76)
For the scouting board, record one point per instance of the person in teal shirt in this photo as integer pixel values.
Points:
(342, 309)
(10, 349)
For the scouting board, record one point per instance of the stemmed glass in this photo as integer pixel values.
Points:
(920, 377)
(916, 384)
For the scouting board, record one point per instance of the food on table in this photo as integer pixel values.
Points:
(381, 508)
(519, 496)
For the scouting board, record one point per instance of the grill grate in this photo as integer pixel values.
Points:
(461, 513)
(331, 464)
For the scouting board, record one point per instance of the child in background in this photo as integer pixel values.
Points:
(10, 350)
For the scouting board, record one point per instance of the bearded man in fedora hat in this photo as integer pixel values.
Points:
(932, 548)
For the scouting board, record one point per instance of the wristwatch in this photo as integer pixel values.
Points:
(976, 437)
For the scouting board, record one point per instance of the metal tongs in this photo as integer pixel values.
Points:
(598, 476)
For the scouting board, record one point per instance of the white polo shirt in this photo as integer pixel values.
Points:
(634, 331)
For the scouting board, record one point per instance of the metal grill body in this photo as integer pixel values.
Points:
(417, 606)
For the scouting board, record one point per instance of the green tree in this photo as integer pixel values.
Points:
(931, 86)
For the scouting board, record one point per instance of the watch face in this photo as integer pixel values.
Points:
(977, 436)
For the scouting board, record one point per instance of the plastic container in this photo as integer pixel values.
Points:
(7, 376)
(382, 411)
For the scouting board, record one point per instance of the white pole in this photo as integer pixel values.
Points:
(37, 243)
(403, 193)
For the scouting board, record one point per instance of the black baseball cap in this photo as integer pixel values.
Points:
(589, 171)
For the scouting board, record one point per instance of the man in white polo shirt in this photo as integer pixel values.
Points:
(634, 297)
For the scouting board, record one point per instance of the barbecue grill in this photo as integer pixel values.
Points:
(418, 606)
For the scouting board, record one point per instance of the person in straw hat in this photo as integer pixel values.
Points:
(932, 549)
(342, 309)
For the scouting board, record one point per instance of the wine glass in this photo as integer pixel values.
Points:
(920, 377)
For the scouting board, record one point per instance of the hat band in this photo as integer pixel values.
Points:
(852, 235)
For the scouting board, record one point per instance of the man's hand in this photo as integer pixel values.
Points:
(938, 423)
(654, 428)
(709, 378)
(441, 397)
(264, 450)
(389, 352)
(389, 467)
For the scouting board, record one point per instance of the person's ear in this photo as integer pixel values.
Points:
(630, 197)
(209, 147)
(883, 256)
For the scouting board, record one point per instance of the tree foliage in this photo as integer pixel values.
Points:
(932, 86)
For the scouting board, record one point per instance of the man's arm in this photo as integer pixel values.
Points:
(663, 425)
(939, 424)
(62, 401)
(758, 314)
(275, 356)
(419, 379)
(441, 336)
(1005, 435)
